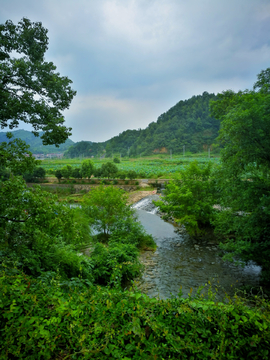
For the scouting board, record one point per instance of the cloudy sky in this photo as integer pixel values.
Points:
(131, 60)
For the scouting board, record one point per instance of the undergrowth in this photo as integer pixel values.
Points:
(48, 318)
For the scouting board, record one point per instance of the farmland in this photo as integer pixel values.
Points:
(145, 167)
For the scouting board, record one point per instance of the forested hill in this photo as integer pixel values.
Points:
(36, 146)
(187, 123)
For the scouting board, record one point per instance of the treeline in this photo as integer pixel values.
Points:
(108, 170)
(86, 149)
(35, 142)
(240, 184)
(188, 123)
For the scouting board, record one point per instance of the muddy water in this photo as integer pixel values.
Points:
(180, 261)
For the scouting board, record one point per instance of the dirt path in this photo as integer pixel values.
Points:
(138, 195)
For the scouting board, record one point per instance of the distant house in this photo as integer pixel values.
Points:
(39, 156)
(48, 156)
(54, 155)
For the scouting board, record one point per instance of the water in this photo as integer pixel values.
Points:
(181, 261)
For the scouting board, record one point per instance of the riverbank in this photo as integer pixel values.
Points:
(136, 196)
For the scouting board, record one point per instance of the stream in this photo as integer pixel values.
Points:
(181, 261)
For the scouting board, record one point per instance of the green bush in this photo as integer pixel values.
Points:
(116, 160)
(115, 264)
(49, 318)
(189, 199)
(40, 234)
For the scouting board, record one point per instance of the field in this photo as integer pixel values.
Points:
(146, 167)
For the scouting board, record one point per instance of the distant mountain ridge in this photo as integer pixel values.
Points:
(188, 123)
(36, 146)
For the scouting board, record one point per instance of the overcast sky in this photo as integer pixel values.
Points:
(132, 60)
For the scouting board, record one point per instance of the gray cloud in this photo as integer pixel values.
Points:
(131, 60)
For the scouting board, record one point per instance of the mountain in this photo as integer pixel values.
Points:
(36, 146)
(188, 123)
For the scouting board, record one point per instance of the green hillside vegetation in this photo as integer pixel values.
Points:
(70, 293)
(86, 149)
(36, 146)
(188, 124)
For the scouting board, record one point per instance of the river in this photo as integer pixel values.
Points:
(181, 261)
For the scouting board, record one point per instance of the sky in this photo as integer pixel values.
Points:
(132, 60)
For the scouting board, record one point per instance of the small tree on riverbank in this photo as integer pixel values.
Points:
(189, 199)
(105, 206)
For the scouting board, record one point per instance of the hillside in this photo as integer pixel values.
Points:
(187, 123)
(36, 146)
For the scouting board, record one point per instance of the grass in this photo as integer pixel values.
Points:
(152, 167)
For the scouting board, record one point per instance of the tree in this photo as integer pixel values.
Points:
(244, 182)
(116, 160)
(105, 206)
(58, 174)
(77, 173)
(245, 129)
(15, 156)
(37, 231)
(97, 173)
(30, 89)
(39, 172)
(131, 174)
(109, 170)
(189, 199)
(66, 171)
(88, 168)
(121, 175)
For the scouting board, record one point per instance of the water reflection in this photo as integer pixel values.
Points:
(181, 261)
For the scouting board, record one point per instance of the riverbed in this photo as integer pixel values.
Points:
(181, 262)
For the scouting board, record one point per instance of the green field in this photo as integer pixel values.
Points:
(145, 167)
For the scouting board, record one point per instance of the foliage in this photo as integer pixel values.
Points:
(105, 206)
(15, 156)
(121, 175)
(35, 143)
(131, 174)
(58, 174)
(147, 167)
(115, 264)
(36, 175)
(245, 129)
(39, 233)
(66, 171)
(243, 180)
(189, 199)
(50, 318)
(109, 170)
(116, 160)
(30, 89)
(39, 172)
(87, 168)
(188, 124)
(130, 231)
(77, 173)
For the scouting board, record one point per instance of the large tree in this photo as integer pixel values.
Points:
(244, 179)
(105, 206)
(88, 168)
(30, 88)
(189, 199)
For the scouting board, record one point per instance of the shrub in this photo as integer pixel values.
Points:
(116, 160)
(50, 318)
